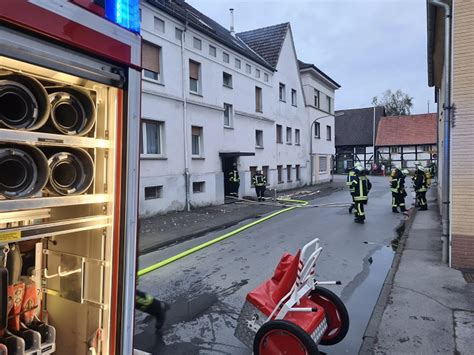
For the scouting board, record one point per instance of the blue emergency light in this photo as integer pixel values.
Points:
(124, 13)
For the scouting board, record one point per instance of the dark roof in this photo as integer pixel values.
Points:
(303, 65)
(266, 41)
(407, 130)
(355, 126)
(184, 12)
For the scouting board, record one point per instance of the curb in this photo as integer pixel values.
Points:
(199, 233)
(370, 334)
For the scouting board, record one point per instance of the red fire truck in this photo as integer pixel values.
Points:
(69, 133)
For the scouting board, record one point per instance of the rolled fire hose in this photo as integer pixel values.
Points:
(23, 170)
(71, 172)
(24, 102)
(72, 110)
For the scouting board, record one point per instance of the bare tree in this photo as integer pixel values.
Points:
(396, 103)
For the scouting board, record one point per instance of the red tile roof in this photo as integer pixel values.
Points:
(407, 130)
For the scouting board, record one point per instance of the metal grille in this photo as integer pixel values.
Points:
(469, 277)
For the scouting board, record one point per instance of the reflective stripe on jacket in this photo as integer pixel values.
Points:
(259, 180)
(362, 187)
(234, 176)
(350, 177)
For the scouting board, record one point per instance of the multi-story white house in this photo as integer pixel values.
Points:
(211, 98)
(319, 91)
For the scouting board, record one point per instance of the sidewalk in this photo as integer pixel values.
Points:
(162, 230)
(425, 307)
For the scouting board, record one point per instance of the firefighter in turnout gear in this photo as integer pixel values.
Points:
(421, 184)
(260, 182)
(234, 180)
(350, 178)
(362, 186)
(397, 186)
(150, 305)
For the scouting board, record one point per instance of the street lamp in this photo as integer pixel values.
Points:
(311, 138)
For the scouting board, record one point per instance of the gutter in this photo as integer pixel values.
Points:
(187, 181)
(446, 183)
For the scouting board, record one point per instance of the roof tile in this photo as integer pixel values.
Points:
(407, 130)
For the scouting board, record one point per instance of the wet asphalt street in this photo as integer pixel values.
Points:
(207, 289)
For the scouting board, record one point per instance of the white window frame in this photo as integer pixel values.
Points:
(288, 135)
(282, 92)
(238, 63)
(325, 168)
(231, 115)
(158, 195)
(297, 137)
(197, 43)
(294, 96)
(178, 33)
(257, 143)
(161, 22)
(328, 130)
(200, 143)
(159, 76)
(257, 73)
(265, 77)
(225, 57)
(248, 68)
(317, 98)
(317, 130)
(202, 187)
(145, 153)
(198, 89)
(213, 52)
(230, 86)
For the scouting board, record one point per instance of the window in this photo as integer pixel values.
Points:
(288, 135)
(282, 91)
(280, 173)
(194, 74)
(152, 192)
(316, 98)
(152, 137)
(178, 33)
(279, 134)
(394, 149)
(212, 51)
(297, 171)
(288, 173)
(317, 130)
(328, 133)
(258, 138)
(225, 57)
(360, 150)
(159, 25)
(253, 172)
(265, 173)
(227, 80)
(323, 164)
(198, 186)
(257, 73)
(297, 136)
(426, 148)
(196, 140)
(197, 43)
(228, 112)
(258, 99)
(329, 104)
(248, 68)
(238, 63)
(151, 61)
(293, 97)
(265, 77)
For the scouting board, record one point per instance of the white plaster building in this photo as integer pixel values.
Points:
(319, 92)
(211, 98)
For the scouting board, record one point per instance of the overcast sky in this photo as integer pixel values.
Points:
(367, 46)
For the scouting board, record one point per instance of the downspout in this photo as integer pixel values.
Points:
(446, 188)
(373, 138)
(185, 122)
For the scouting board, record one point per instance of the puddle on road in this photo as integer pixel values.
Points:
(361, 298)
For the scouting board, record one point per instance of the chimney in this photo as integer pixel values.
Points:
(232, 32)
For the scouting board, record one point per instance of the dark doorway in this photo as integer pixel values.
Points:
(227, 164)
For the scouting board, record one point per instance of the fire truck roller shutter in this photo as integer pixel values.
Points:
(71, 171)
(23, 170)
(24, 102)
(72, 110)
